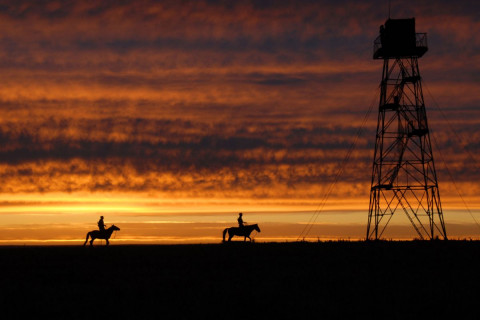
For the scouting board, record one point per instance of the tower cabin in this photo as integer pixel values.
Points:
(398, 39)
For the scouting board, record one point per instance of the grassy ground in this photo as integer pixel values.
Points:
(329, 280)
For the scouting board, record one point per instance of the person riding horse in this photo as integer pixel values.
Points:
(101, 225)
(240, 220)
(243, 230)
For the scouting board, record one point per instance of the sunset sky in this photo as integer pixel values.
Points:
(171, 117)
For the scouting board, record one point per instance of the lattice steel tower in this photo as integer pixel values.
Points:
(403, 175)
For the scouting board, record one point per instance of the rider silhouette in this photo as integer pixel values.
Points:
(101, 224)
(240, 220)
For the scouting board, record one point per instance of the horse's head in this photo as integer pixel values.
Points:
(114, 228)
(256, 227)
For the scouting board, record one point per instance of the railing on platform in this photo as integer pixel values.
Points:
(421, 45)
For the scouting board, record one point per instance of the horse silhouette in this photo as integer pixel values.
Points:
(241, 232)
(97, 234)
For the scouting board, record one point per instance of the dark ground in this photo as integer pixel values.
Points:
(344, 280)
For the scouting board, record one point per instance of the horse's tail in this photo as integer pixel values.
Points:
(88, 234)
(224, 233)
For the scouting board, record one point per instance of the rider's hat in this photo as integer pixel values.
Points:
(101, 217)
(240, 213)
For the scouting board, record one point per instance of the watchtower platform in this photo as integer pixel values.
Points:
(398, 39)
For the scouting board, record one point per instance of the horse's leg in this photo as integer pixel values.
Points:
(230, 236)
(88, 234)
(107, 242)
(91, 241)
(249, 238)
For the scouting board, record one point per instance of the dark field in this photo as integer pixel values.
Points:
(384, 280)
